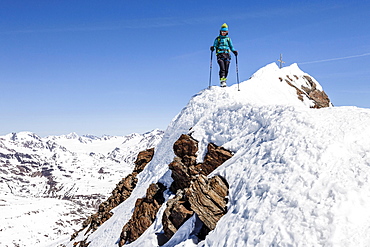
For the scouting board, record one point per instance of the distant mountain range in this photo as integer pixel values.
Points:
(57, 181)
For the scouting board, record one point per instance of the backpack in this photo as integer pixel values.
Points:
(223, 45)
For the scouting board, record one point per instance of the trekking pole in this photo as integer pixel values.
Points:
(210, 71)
(237, 71)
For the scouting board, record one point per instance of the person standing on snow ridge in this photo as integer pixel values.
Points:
(223, 45)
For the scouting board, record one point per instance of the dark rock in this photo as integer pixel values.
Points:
(215, 157)
(184, 167)
(177, 212)
(185, 146)
(180, 175)
(122, 191)
(143, 159)
(194, 191)
(144, 214)
(320, 98)
(207, 198)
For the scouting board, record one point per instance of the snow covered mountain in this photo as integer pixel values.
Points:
(298, 176)
(49, 185)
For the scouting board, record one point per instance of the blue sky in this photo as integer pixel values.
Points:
(118, 67)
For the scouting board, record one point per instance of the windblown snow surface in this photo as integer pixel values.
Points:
(299, 176)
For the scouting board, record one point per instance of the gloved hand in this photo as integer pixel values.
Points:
(212, 48)
(235, 53)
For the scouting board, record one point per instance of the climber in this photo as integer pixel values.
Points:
(223, 45)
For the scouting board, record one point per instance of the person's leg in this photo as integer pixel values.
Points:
(222, 65)
(227, 64)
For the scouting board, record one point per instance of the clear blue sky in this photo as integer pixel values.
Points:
(117, 67)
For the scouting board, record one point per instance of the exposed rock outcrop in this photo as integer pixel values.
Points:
(185, 146)
(318, 97)
(184, 166)
(144, 214)
(122, 191)
(207, 198)
(178, 211)
(194, 191)
(215, 157)
(181, 174)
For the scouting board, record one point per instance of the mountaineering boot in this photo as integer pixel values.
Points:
(223, 82)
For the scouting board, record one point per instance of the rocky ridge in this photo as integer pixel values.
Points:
(144, 214)
(195, 194)
(119, 194)
(309, 89)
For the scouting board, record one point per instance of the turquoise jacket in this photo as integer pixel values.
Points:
(223, 44)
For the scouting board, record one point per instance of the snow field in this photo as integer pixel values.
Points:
(289, 189)
(23, 221)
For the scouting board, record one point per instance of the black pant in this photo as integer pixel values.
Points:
(223, 60)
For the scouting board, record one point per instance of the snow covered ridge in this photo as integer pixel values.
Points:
(298, 177)
(49, 185)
